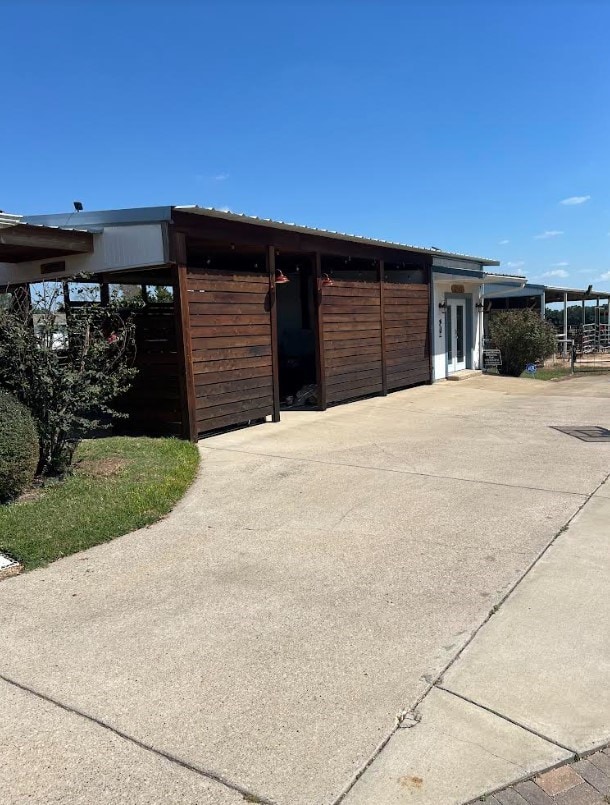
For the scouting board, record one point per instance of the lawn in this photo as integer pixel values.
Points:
(118, 484)
(564, 372)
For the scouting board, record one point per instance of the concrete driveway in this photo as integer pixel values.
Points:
(320, 574)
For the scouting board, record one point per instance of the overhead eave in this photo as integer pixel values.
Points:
(24, 242)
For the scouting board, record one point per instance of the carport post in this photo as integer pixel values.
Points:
(384, 371)
(274, 345)
(597, 327)
(565, 324)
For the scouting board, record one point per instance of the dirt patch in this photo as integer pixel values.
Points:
(103, 467)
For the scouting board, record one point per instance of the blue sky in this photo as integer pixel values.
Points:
(461, 125)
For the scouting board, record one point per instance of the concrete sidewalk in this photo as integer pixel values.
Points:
(315, 581)
(531, 690)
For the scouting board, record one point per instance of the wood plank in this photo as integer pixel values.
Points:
(216, 285)
(413, 328)
(197, 308)
(408, 365)
(352, 326)
(343, 351)
(227, 354)
(203, 275)
(226, 330)
(339, 290)
(228, 297)
(350, 366)
(231, 342)
(404, 337)
(254, 398)
(336, 342)
(240, 411)
(406, 288)
(352, 393)
(349, 309)
(205, 367)
(240, 418)
(337, 318)
(406, 357)
(249, 384)
(237, 320)
(349, 298)
(372, 375)
(226, 375)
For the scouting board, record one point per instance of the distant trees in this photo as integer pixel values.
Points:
(574, 315)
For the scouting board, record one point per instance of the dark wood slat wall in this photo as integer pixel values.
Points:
(153, 402)
(352, 339)
(231, 344)
(406, 313)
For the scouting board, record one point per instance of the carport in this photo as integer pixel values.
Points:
(259, 315)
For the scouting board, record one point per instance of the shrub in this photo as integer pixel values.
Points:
(18, 447)
(522, 337)
(67, 369)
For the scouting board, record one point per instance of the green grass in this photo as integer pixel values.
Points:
(563, 372)
(549, 373)
(119, 484)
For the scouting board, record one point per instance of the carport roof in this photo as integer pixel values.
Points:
(21, 241)
(140, 215)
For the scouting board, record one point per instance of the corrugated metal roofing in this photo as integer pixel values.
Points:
(328, 233)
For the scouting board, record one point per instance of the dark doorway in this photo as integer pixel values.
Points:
(296, 331)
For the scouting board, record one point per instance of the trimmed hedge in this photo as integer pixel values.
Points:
(19, 449)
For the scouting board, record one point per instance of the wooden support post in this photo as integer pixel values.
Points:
(274, 339)
(565, 325)
(183, 339)
(319, 332)
(104, 294)
(432, 314)
(384, 369)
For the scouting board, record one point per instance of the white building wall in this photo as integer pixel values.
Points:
(442, 285)
(115, 249)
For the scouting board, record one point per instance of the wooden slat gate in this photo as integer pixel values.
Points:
(406, 333)
(153, 400)
(351, 317)
(230, 330)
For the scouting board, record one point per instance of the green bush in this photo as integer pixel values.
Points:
(19, 450)
(522, 337)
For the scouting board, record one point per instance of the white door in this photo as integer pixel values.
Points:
(456, 335)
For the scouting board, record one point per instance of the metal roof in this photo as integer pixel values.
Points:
(211, 212)
(142, 215)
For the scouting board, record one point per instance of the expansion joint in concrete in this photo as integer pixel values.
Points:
(249, 796)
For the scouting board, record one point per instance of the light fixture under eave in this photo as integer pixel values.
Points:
(280, 277)
(327, 281)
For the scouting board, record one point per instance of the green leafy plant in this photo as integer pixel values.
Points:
(522, 337)
(18, 447)
(66, 366)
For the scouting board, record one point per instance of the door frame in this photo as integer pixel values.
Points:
(467, 299)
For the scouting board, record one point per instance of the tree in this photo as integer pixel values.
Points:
(66, 368)
(522, 337)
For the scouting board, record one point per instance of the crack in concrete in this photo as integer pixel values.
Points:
(506, 718)
(437, 680)
(248, 795)
(396, 471)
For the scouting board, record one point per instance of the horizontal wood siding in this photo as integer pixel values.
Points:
(230, 325)
(153, 401)
(407, 339)
(352, 339)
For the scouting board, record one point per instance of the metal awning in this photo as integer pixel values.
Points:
(21, 242)
(555, 294)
